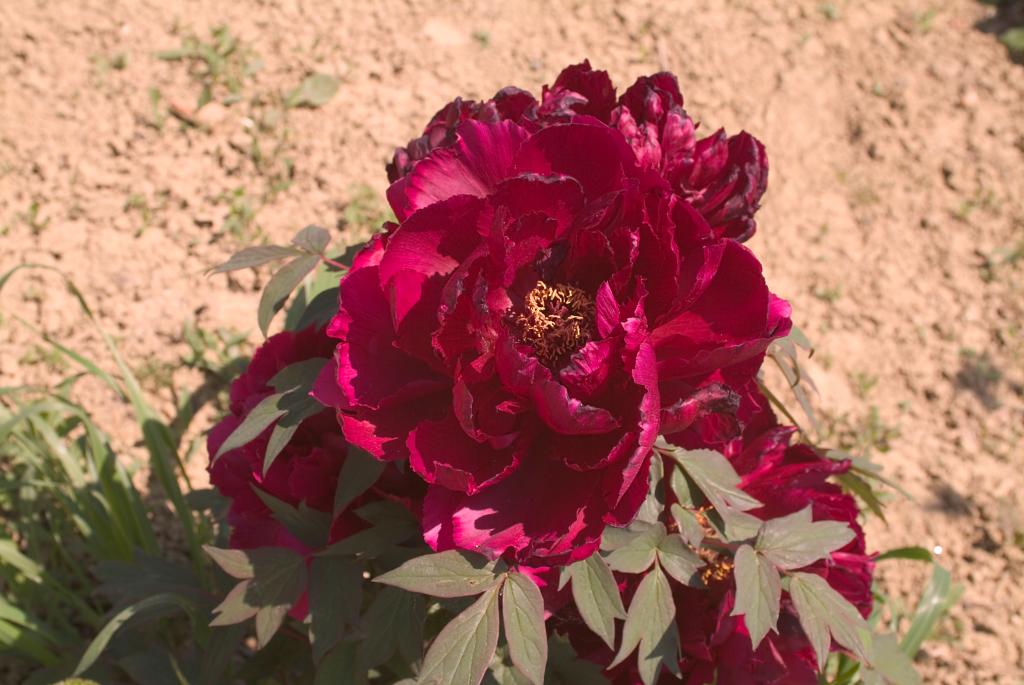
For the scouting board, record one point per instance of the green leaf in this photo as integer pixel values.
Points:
(359, 471)
(310, 526)
(863, 491)
(939, 596)
(371, 542)
(278, 581)
(565, 668)
(298, 410)
(637, 555)
(253, 257)
(912, 553)
(338, 666)
(597, 598)
(463, 650)
(394, 622)
(455, 573)
(265, 413)
(795, 541)
(522, 608)
(320, 310)
(315, 90)
(758, 593)
(650, 617)
(689, 527)
(300, 375)
(733, 525)
(10, 554)
(335, 598)
(240, 604)
(234, 562)
(823, 611)
(501, 673)
(654, 503)
(715, 477)
(890, 665)
(281, 286)
(312, 239)
(156, 603)
(664, 653)
(680, 561)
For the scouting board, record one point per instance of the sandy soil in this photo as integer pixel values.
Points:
(894, 220)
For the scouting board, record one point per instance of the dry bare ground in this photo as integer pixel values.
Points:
(894, 220)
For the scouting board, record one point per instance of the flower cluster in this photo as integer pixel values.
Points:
(564, 284)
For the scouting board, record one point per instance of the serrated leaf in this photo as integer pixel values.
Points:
(758, 593)
(597, 597)
(890, 665)
(268, 621)
(679, 561)
(234, 562)
(650, 615)
(822, 611)
(715, 477)
(663, 654)
(522, 608)
(454, 573)
(638, 554)
(335, 598)
(310, 526)
(237, 606)
(393, 623)
(256, 421)
(277, 576)
(359, 471)
(281, 286)
(315, 90)
(463, 650)
(279, 580)
(312, 239)
(254, 256)
(795, 541)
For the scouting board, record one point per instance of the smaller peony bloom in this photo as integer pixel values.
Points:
(723, 177)
(715, 646)
(306, 471)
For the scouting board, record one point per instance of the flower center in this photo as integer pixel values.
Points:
(556, 321)
(718, 566)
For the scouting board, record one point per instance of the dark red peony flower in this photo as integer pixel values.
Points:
(786, 478)
(723, 176)
(545, 306)
(305, 472)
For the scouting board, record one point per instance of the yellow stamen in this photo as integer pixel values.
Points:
(556, 321)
